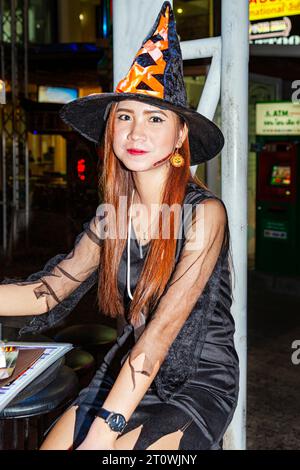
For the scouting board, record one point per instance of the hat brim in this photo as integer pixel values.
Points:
(87, 116)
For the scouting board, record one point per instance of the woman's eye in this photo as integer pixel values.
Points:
(156, 117)
(122, 116)
(126, 117)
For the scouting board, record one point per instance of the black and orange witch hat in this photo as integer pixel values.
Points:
(155, 77)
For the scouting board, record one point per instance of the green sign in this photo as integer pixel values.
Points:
(278, 118)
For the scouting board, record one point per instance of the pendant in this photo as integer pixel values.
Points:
(177, 160)
(141, 251)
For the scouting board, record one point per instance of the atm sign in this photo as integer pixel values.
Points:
(278, 118)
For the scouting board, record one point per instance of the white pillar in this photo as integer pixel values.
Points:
(234, 99)
(234, 87)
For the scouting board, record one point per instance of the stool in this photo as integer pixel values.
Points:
(95, 338)
(83, 364)
(23, 420)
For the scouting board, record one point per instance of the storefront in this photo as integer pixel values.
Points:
(278, 183)
(274, 37)
(62, 165)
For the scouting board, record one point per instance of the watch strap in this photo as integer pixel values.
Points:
(103, 413)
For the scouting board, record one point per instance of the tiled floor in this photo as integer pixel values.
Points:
(273, 413)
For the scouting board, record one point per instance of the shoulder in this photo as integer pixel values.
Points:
(204, 203)
(205, 221)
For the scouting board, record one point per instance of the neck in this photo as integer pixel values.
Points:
(149, 186)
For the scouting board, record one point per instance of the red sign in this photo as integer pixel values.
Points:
(81, 167)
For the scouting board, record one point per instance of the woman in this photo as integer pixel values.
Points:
(171, 379)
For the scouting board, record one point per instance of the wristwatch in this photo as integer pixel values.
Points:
(116, 421)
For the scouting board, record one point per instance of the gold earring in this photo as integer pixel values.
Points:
(177, 160)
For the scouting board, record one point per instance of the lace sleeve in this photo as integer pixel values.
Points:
(62, 277)
(203, 242)
(75, 268)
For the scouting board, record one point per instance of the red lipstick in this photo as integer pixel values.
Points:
(136, 151)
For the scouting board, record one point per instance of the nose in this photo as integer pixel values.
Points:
(137, 131)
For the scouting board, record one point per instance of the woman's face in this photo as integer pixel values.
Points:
(142, 127)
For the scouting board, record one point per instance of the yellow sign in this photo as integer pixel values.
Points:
(263, 9)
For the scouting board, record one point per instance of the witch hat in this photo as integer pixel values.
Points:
(155, 77)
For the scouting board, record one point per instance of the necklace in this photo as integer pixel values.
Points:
(145, 232)
(137, 328)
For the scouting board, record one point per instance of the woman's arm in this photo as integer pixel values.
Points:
(40, 294)
(20, 300)
(203, 244)
(122, 399)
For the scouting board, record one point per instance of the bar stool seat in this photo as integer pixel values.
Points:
(40, 382)
(63, 388)
(83, 364)
(92, 337)
(26, 416)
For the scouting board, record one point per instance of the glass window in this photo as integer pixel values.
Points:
(84, 21)
(193, 18)
(42, 21)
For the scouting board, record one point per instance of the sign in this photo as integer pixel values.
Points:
(278, 118)
(275, 234)
(48, 94)
(263, 9)
(280, 31)
(274, 22)
(2, 92)
(81, 167)
(270, 29)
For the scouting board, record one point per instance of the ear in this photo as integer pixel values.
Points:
(183, 132)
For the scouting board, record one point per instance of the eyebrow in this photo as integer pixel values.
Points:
(145, 112)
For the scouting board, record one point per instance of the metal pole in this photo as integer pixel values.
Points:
(3, 138)
(203, 48)
(14, 92)
(27, 180)
(4, 187)
(15, 149)
(234, 96)
(200, 49)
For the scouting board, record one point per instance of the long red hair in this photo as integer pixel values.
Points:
(116, 181)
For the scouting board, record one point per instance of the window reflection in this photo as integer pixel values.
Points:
(193, 18)
(42, 21)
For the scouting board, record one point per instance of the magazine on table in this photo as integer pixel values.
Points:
(22, 362)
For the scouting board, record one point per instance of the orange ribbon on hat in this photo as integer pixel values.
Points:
(138, 73)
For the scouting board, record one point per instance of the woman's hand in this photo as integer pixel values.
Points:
(99, 437)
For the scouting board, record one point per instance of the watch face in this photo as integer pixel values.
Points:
(117, 422)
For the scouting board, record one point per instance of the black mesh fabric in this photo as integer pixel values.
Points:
(169, 335)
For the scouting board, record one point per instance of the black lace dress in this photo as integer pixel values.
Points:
(202, 407)
(195, 391)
